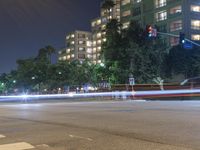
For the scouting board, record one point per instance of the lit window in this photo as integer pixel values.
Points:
(89, 43)
(72, 36)
(125, 2)
(81, 48)
(64, 58)
(126, 25)
(89, 50)
(94, 50)
(89, 56)
(99, 22)
(177, 9)
(94, 43)
(103, 27)
(195, 24)
(176, 25)
(103, 33)
(195, 8)
(93, 24)
(99, 61)
(174, 41)
(99, 48)
(67, 37)
(72, 42)
(99, 41)
(196, 37)
(104, 20)
(162, 15)
(126, 13)
(98, 35)
(137, 1)
(68, 50)
(80, 42)
(160, 3)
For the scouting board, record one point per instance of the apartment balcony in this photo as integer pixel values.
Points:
(195, 27)
(173, 2)
(175, 15)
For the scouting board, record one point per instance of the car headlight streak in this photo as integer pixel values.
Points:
(102, 94)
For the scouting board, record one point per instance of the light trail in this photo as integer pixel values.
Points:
(136, 94)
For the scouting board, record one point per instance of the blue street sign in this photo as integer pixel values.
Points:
(188, 45)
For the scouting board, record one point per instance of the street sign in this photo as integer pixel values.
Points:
(188, 45)
(132, 81)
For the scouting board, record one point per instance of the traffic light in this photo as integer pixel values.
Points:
(181, 38)
(149, 30)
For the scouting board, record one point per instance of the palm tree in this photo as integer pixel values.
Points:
(42, 54)
(50, 50)
(107, 5)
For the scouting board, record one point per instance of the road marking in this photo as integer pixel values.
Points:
(80, 137)
(2, 136)
(16, 146)
(42, 145)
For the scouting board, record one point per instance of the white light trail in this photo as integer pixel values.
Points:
(101, 94)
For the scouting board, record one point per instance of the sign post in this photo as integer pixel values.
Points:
(132, 82)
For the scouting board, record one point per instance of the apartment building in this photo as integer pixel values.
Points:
(98, 26)
(78, 47)
(169, 16)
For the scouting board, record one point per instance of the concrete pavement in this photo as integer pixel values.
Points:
(125, 125)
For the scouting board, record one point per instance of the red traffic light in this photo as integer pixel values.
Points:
(150, 31)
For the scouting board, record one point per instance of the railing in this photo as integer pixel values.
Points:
(175, 15)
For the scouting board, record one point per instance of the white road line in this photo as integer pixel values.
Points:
(2, 136)
(16, 146)
(79, 137)
(42, 145)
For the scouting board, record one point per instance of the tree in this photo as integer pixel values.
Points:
(108, 5)
(50, 50)
(58, 75)
(25, 72)
(114, 53)
(128, 51)
(183, 61)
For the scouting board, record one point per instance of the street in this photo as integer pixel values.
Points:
(111, 125)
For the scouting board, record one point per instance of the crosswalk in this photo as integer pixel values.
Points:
(15, 146)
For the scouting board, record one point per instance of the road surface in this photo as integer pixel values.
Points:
(124, 125)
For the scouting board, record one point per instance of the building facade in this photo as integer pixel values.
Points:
(78, 47)
(169, 16)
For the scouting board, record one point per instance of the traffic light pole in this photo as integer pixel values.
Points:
(174, 35)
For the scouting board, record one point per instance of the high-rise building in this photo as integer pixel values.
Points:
(78, 47)
(98, 26)
(169, 16)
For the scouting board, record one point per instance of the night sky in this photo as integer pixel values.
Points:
(28, 25)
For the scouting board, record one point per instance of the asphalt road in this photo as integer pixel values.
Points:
(100, 126)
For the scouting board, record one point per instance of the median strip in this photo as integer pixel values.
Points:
(16, 146)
